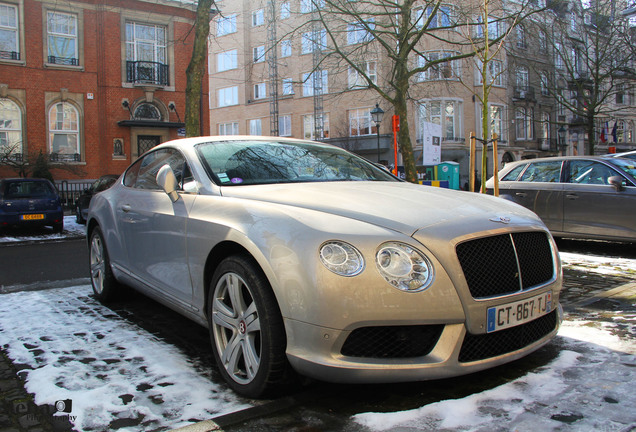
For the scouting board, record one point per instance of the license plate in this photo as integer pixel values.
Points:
(519, 312)
(33, 217)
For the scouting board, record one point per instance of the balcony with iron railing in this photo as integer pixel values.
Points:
(9, 55)
(146, 72)
(66, 61)
(524, 93)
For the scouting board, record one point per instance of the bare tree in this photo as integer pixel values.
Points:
(28, 164)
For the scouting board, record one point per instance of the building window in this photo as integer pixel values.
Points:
(146, 54)
(521, 37)
(311, 42)
(497, 120)
(255, 127)
(258, 54)
(443, 18)
(309, 86)
(545, 126)
(288, 87)
(309, 127)
(449, 69)
(543, 41)
(147, 111)
(231, 128)
(64, 142)
(496, 28)
(10, 128)
(284, 125)
(9, 49)
(226, 25)
(495, 72)
(358, 81)
(558, 60)
(360, 31)
(286, 48)
(446, 113)
(258, 18)
(260, 91)
(285, 10)
(307, 6)
(523, 122)
(228, 96)
(62, 38)
(545, 89)
(521, 79)
(361, 123)
(226, 60)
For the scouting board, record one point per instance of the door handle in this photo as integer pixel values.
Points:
(126, 208)
(572, 196)
(521, 194)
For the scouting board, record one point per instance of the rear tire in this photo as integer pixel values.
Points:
(247, 330)
(58, 227)
(105, 286)
(78, 216)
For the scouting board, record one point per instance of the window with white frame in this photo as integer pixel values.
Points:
(9, 40)
(360, 31)
(496, 121)
(285, 10)
(545, 84)
(10, 127)
(62, 38)
(361, 123)
(558, 60)
(286, 48)
(256, 127)
(258, 18)
(226, 60)
(445, 112)
(521, 37)
(146, 53)
(284, 125)
(258, 54)
(311, 41)
(64, 137)
(288, 86)
(307, 6)
(260, 91)
(545, 126)
(622, 95)
(444, 70)
(543, 41)
(309, 85)
(309, 127)
(495, 72)
(523, 123)
(496, 28)
(227, 96)
(226, 25)
(358, 81)
(573, 23)
(445, 16)
(231, 128)
(521, 78)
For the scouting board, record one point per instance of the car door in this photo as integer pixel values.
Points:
(154, 228)
(594, 208)
(539, 189)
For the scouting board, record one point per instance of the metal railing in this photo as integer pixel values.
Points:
(70, 192)
(146, 72)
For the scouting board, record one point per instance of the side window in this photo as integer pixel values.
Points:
(589, 172)
(512, 175)
(131, 175)
(547, 172)
(152, 163)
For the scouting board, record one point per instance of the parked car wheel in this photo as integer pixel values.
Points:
(58, 227)
(102, 279)
(78, 216)
(246, 328)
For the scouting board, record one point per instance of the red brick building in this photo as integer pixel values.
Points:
(92, 84)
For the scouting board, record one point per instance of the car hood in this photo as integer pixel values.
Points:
(402, 207)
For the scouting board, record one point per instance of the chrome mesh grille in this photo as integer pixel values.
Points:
(506, 264)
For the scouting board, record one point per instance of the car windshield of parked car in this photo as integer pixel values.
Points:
(234, 163)
(626, 165)
(27, 189)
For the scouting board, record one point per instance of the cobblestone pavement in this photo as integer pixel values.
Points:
(590, 294)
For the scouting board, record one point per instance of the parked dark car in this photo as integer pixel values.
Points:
(30, 202)
(101, 184)
(576, 196)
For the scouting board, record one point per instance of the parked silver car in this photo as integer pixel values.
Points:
(303, 258)
(576, 196)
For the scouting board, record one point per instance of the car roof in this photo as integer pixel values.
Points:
(559, 158)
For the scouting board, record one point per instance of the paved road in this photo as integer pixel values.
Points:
(46, 262)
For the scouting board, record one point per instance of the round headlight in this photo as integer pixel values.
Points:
(404, 267)
(341, 258)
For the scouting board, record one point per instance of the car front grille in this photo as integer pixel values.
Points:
(507, 263)
(479, 347)
(392, 341)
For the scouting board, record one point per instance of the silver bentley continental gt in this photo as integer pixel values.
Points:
(303, 259)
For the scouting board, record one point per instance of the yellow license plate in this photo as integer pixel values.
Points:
(33, 217)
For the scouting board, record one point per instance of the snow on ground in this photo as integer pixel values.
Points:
(599, 264)
(71, 229)
(109, 368)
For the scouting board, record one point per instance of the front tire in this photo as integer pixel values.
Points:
(247, 330)
(104, 284)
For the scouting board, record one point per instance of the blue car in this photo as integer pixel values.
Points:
(30, 202)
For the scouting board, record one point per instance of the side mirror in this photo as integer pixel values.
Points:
(168, 182)
(617, 182)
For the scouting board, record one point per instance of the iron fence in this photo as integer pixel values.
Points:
(70, 192)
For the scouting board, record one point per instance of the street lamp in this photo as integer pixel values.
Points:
(561, 133)
(376, 114)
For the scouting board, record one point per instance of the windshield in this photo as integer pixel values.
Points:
(234, 163)
(27, 189)
(627, 165)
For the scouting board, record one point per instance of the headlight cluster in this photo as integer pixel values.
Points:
(401, 265)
